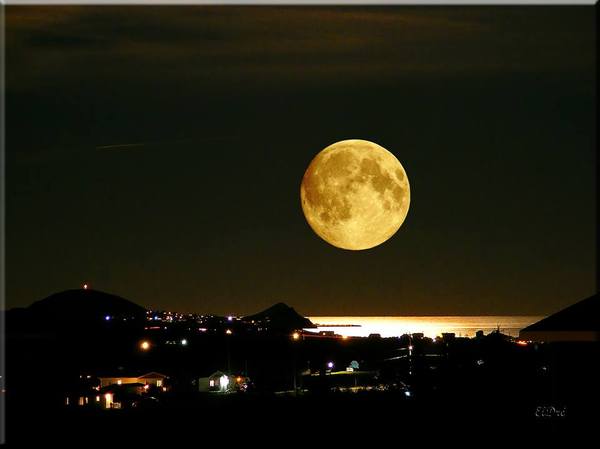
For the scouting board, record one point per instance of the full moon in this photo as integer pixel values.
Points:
(355, 194)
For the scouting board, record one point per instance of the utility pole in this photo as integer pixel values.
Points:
(227, 338)
(410, 348)
(295, 374)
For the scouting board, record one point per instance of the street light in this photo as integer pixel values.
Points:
(145, 345)
(295, 337)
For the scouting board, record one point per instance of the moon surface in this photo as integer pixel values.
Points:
(355, 194)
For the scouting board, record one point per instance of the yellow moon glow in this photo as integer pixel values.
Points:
(355, 194)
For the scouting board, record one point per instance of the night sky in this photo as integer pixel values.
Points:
(157, 153)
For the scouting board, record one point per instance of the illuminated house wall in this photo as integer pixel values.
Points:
(154, 379)
(106, 381)
(220, 382)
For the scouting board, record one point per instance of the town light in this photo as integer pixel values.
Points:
(184, 342)
(330, 365)
(224, 382)
(296, 336)
(85, 286)
(145, 345)
(107, 317)
(228, 332)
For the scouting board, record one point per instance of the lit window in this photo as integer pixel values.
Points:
(210, 382)
(159, 383)
(108, 397)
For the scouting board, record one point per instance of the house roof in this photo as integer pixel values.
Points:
(219, 374)
(581, 316)
(150, 375)
(153, 375)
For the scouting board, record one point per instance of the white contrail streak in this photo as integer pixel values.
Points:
(165, 142)
(120, 145)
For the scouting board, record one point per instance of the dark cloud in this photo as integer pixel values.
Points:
(293, 45)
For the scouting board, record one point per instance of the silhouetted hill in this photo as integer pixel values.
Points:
(86, 305)
(583, 315)
(280, 317)
(578, 322)
(74, 306)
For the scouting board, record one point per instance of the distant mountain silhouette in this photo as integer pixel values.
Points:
(578, 322)
(87, 304)
(280, 317)
(80, 312)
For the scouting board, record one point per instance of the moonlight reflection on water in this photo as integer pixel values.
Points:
(431, 326)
